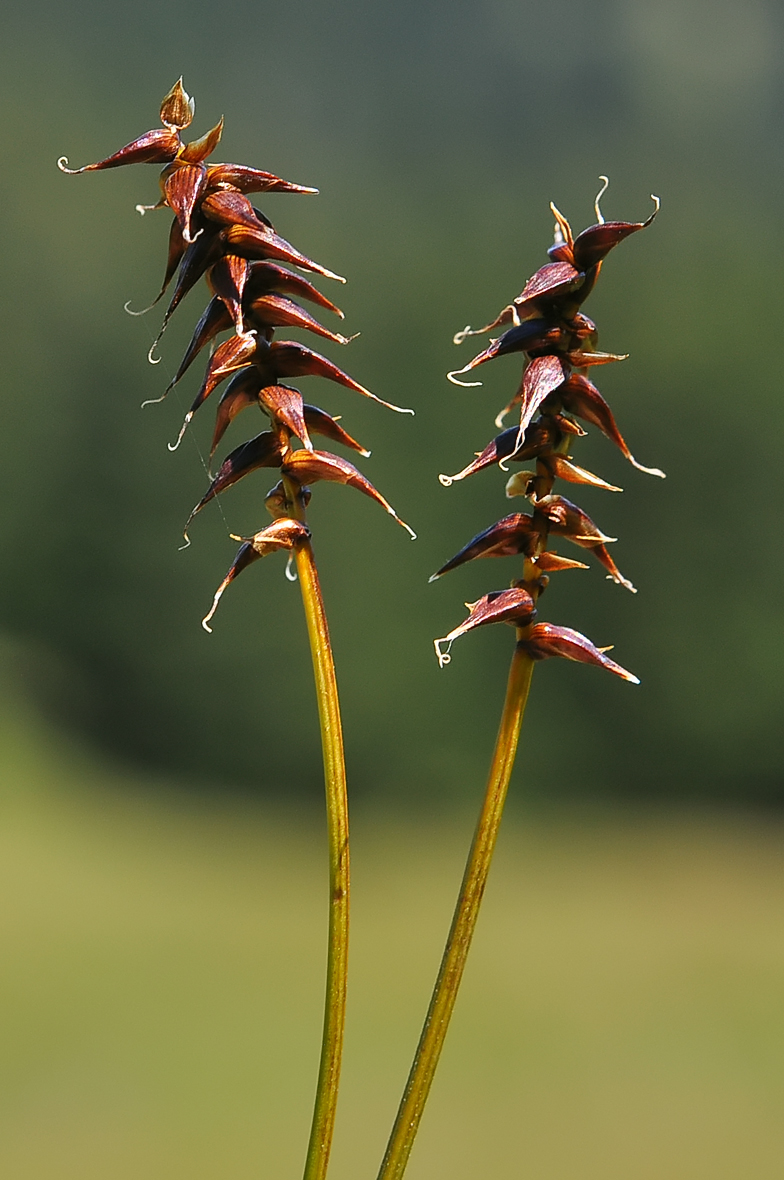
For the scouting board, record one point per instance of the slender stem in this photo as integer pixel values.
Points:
(337, 824)
(463, 923)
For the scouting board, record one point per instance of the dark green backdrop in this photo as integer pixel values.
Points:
(437, 133)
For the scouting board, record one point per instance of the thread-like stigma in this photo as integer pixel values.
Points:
(129, 311)
(407, 527)
(443, 657)
(291, 568)
(152, 359)
(181, 435)
(463, 384)
(600, 219)
(627, 585)
(218, 593)
(647, 470)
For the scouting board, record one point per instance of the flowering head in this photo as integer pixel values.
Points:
(558, 344)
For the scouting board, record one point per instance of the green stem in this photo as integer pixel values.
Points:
(337, 825)
(466, 912)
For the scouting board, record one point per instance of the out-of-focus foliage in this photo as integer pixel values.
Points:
(161, 994)
(437, 134)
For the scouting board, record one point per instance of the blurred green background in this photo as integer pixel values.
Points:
(162, 851)
(437, 134)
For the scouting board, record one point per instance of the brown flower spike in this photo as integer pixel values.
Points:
(218, 234)
(559, 346)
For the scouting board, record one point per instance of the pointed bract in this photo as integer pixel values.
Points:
(261, 242)
(182, 188)
(541, 436)
(177, 107)
(320, 422)
(197, 151)
(159, 146)
(285, 358)
(526, 337)
(508, 537)
(227, 280)
(261, 451)
(596, 242)
(241, 393)
(285, 405)
(566, 519)
(283, 533)
(308, 467)
(542, 376)
(581, 397)
(228, 207)
(514, 606)
(252, 180)
(546, 640)
(265, 278)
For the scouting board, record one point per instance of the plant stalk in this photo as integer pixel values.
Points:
(325, 1106)
(463, 923)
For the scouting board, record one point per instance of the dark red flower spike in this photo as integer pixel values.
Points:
(545, 640)
(547, 326)
(554, 337)
(282, 534)
(218, 233)
(515, 606)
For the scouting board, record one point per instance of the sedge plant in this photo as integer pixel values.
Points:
(217, 234)
(559, 346)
